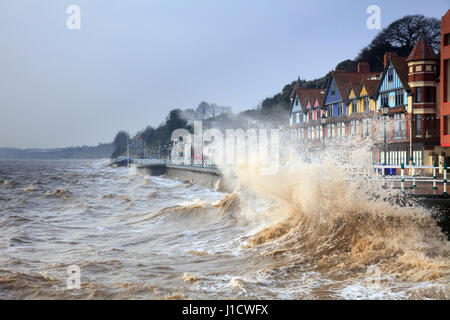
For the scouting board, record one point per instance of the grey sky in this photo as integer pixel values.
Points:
(133, 61)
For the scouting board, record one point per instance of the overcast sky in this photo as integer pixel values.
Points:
(134, 60)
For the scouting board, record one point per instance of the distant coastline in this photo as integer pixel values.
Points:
(100, 151)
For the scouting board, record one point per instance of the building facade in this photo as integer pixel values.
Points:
(353, 101)
(445, 82)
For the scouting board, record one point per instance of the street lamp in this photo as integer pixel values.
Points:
(164, 153)
(323, 122)
(385, 112)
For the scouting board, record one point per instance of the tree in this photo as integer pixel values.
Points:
(347, 65)
(204, 109)
(403, 33)
(121, 138)
(120, 144)
(400, 37)
(175, 121)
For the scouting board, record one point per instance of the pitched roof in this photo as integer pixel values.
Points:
(320, 96)
(345, 81)
(401, 68)
(422, 50)
(304, 95)
(313, 94)
(371, 87)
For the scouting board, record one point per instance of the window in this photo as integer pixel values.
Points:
(399, 126)
(418, 157)
(430, 94)
(385, 98)
(318, 135)
(447, 39)
(397, 157)
(297, 117)
(339, 129)
(355, 128)
(329, 130)
(333, 90)
(354, 106)
(366, 104)
(429, 125)
(418, 95)
(399, 94)
(330, 111)
(446, 80)
(341, 109)
(391, 74)
(418, 68)
(366, 127)
(418, 125)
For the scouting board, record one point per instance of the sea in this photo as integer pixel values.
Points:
(79, 229)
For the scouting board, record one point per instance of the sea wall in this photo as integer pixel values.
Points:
(207, 177)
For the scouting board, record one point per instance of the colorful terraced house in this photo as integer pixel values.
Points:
(408, 88)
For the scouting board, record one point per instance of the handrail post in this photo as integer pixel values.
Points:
(403, 177)
(434, 177)
(445, 180)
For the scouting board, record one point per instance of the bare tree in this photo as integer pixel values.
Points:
(405, 31)
(400, 37)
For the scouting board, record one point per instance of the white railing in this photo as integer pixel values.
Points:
(356, 172)
(378, 173)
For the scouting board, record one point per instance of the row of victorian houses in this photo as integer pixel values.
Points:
(403, 110)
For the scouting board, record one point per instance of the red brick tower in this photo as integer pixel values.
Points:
(423, 74)
(423, 77)
(445, 81)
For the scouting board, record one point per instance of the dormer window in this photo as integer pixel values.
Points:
(391, 74)
(366, 104)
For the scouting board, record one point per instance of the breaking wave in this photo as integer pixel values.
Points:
(339, 228)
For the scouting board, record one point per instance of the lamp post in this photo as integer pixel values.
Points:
(323, 121)
(164, 151)
(385, 112)
(128, 153)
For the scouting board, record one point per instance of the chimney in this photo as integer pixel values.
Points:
(387, 56)
(363, 67)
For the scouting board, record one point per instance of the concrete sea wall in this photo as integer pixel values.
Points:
(207, 177)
